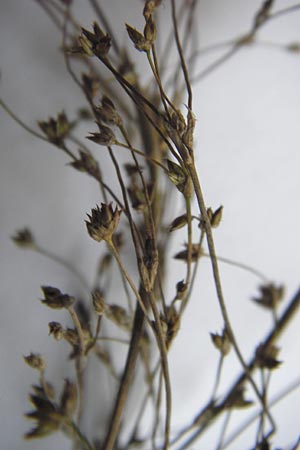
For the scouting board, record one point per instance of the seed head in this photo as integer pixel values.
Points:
(103, 222)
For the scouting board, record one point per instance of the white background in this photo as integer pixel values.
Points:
(247, 147)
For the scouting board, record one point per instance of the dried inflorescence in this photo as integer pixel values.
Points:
(156, 128)
(102, 222)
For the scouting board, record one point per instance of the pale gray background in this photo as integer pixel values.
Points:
(248, 158)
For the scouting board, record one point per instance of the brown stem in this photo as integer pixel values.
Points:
(126, 379)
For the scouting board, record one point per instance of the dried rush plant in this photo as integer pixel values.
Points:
(156, 127)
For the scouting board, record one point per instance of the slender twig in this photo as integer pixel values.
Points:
(79, 359)
(278, 398)
(290, 311)
(240, 265)
(63, 263)
(223, 430)
(182, 59)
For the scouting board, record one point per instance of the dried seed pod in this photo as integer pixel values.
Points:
(87, 164)
(188, 135)
(177, 175)
(237, 399)
(71, 336)
(138, 39)
(53, 298)
(293, 47)
(98, 302)
(46, 415)
(90, 84)
(97, 43)
(86, 45)
(216, 217)
(107, 112)
(181, 290)
(103, 222)
(105, 137)
(35, 361)
(270, 296)
(178, 223)
(56, 330)
(56, 130)
(150, 6)
(68, 402)
(177, 122)
(195, 254)
(266, 356)
(24, 238)
(150, 30)
(221, 342)
(119, 316)
(173, 323)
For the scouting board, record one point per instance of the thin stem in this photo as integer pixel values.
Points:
(79, 361)
(129, 280)
(223, 431)
(136, 238)
(63, 263)
(20, 122)
(126, 380)
(188, 206)
(165, 367)
(80, 436)
(216, 64)
(155, 72)
(139, 152)
(240, 266)
(217, 280)
(182, 60)
(270, 339)
(218, 377)
(280, 396)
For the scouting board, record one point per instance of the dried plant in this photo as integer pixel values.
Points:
(154, 123)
